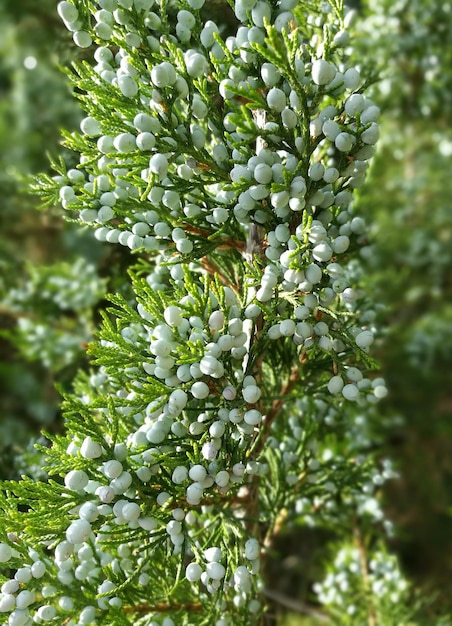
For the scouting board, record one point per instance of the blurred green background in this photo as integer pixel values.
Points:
(46, 316)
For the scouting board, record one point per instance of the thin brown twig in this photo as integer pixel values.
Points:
(224, 243)
(276, 406)
(371, 615)
(162, 607)
(7, 312)
(211, 268)
(295, 605)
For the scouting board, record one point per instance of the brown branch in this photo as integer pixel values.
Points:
(276, 406)
(371, 615)
(295, 605)
(253, 493)
(211, 268)
(276, 528)
(15, 315)
(224, 243)
(162, 607)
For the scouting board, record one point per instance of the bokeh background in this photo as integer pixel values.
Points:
(47, 315)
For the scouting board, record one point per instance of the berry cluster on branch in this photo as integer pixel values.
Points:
(229, 390)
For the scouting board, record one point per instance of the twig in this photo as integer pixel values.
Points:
(161, 607)
(213, 269)
(272, 414)
(224, 243)
(295, 605)
(252, 247)
(371, 615)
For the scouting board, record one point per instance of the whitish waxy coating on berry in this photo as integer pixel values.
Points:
(67, 11)
(322, 72)
(5, 553)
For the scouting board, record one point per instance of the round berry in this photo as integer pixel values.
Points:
(251, 394)
(76, 480)
(335, 385)
(196, 63)
(5, 553)
(364, 339)
(344, 142)
(252, 550)
(158, 165)
(350, 392)
(127, 85)
(79, 531)
(276, 99)
(215, 570)
(82, 39)
(193, 572)
(90, 449)
(354, 104)
(322, 72)
(67, 11)
(194, 493)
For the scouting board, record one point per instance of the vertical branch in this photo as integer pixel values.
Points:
(371, 614)
(253, 245)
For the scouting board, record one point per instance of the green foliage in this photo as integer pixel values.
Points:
(409, 267)
(54, 312)
(412, 42)
(35, 101)
(232, 393)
